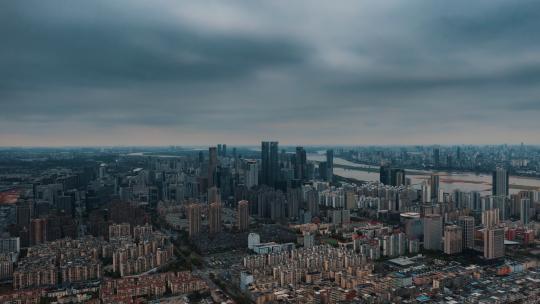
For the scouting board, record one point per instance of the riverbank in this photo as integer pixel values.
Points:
(421, 171)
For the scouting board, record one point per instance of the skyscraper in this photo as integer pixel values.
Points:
(194, 218)
(212, 166)
(384, 174)
(524, 210)
(398, 177)
(201, 157)
(490, 218)
(436, 157)
(453, 239)
(493, 243)
(214, 218)
(300, 162)
(329, 165)
(294, 199)
(270, 164)
(38, 231)
(312, 201)
(251, 174)
(432, 232)
(434, 185)
(243, 215)
(500, 182)
(467, 227)
(391, 176)
(426, 191)
(501, 203)
(24, 213)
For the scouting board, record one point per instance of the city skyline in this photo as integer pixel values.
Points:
(359, 73)
(235, 225)
(273, 151)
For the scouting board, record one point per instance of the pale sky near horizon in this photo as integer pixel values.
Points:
(136, 72)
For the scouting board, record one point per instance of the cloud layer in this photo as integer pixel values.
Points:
(302, 72)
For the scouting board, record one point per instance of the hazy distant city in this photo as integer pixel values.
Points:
(303, 152)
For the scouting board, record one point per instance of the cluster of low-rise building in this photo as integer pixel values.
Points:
(124, 290)
(67, 261)
(325, 274)
(58, 262)
(110, 290)
(137, 252)
(323, 264)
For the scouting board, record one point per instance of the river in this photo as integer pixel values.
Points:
(449, 181)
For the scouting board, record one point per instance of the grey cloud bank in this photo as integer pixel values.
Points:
(307, 72)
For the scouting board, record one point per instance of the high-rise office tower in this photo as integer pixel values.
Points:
(426, 192)
(500, 182)
(294, 199)
(322, 170)
(243, 215)
(384, 174)
(270, 163)
(24, 213)
(212, 166)
(432, 232)
(312, 200)
(493, 243)
(467, 227)
(391, 176)
(453, 239)
(38, 231)
(398, 177)
(449, 161)
(194, 218)
(515, 201)
(500, 202)
(300, 162)
(329, 165)
(434, 185)
(436, 157)
(490, 218)
(524, 210)
(251, 174)
(214, 218)
(201, 157)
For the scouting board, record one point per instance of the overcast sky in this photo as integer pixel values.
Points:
(238, 72)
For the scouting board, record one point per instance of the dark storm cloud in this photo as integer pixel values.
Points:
(506, 23)
(41, 51)
(519, 76)
(159, 72)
